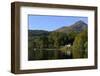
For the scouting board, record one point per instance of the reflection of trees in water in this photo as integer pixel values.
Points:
(48, 54)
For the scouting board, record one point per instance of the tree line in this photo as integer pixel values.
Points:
(58, 40)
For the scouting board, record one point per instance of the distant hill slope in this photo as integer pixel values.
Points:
(37, 32)
(78, 27)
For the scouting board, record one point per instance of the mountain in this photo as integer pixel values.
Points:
(37, 32)
(77, 27)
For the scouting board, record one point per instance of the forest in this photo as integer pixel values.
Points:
(59, 44)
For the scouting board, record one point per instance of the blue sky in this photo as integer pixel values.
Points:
(50, 23)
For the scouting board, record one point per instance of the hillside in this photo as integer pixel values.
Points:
(37, 32)
(76, 27)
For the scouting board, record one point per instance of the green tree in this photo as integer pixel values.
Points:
(71, 37)
(58, 39)
(86, 49)
(78, 45)
(43, 42)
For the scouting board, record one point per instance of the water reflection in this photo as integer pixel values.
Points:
(48, 54)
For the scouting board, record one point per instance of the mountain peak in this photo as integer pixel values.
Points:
(80, 22)
(77, 26)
